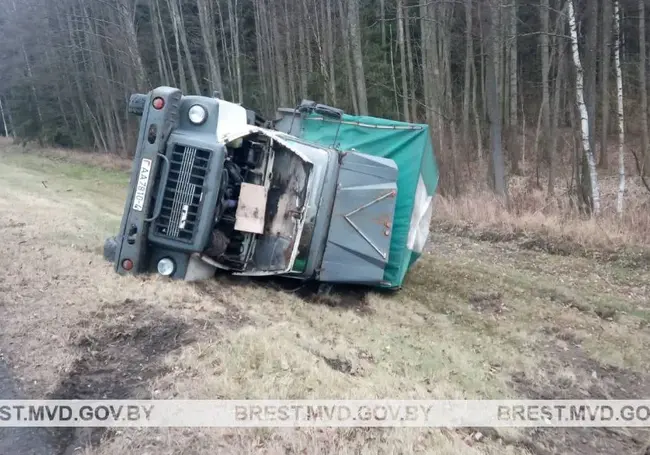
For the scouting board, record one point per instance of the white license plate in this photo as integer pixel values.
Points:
(143, 182)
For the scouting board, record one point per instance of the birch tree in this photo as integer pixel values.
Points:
(590, 66)
(4, 121)
(582, 108)
(619, 110)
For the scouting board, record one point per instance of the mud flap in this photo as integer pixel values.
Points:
(358, 242)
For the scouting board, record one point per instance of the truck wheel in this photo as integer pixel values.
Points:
(110, 249)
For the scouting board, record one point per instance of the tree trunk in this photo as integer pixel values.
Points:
(165, 46)
(644, 87)
(357, 55)
(484, 103)
(30, 77)
(544, 39)
(179, 25)
(513, 67)
(280, 67)
(261, 59)
(591, 58)
(310, 58)
(4, 121)
(127, 14)
(391, 60)
(234, 39)
(604, 81)
(177, 41)
(382, 23)
(431, 77)
(345, 26)
(10, 124)
(330, 52)
(206, 24)
(559, 80)
(402, 55)
(163, 77)
(514, 151)
(227, 54)
(304, 68)
(498, 178)
(215, 49)
(469, 57)
(584, 114)
(409, 56)
(449, 101)
(621, 116)
(477, 119)
(240, 90)
(322, 54)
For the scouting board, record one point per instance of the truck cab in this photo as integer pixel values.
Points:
(215, 187)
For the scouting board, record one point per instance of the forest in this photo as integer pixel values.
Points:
(554, 90)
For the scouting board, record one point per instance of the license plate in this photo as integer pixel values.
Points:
(143, 182)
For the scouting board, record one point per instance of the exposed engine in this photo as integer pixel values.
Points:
(249, 161)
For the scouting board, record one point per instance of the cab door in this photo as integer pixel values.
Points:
(358, 242)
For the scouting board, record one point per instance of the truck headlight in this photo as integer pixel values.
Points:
(166, 267)
(197, 114)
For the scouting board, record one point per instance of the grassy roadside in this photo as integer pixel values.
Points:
(474, 320)
(553, 222)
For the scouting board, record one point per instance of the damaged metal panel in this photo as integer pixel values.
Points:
(251, 209)
(278, 216)
(275, 135)
(285, 208)
(360, 231)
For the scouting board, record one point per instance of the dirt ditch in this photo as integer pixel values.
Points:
(630, 258)
(569, 373)
(119, 360)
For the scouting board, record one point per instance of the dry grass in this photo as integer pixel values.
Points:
(555, 219)
(533, 213)
(104, 161)
(474, 320)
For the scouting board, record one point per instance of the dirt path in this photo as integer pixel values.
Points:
(21, 441)
(475, 319)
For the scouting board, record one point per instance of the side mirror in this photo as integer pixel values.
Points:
(322, 109)
(328, 111)
(137, 103)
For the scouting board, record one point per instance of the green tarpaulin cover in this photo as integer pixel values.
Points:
(409, 145)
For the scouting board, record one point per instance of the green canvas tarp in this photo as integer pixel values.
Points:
(409, 145)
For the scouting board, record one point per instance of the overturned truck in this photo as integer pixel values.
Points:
(314, 194)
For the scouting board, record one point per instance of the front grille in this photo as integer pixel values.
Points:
(182, 196)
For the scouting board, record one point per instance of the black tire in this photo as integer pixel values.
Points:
(110, 249)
